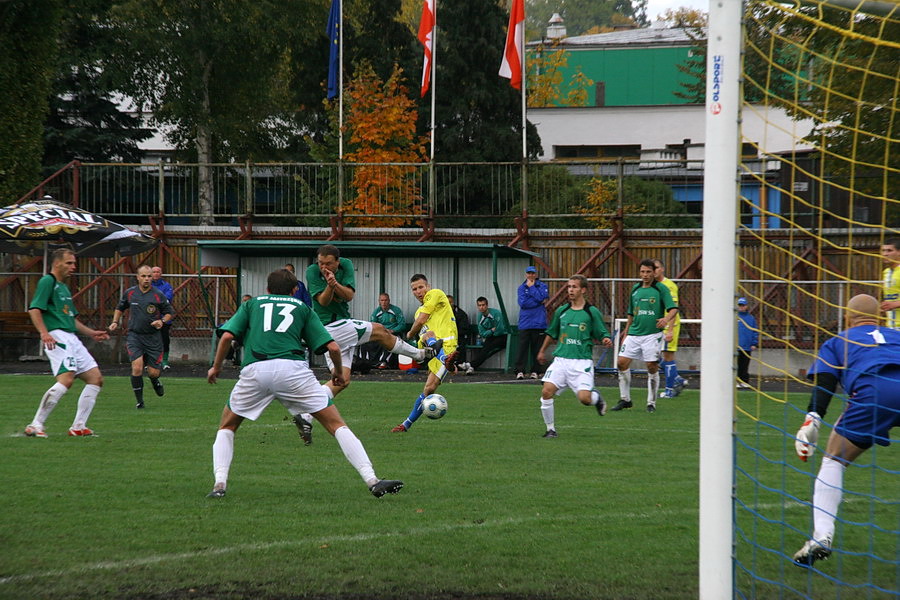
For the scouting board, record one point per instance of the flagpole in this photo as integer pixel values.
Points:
(524, 121)
(341, 82)
(433, 75)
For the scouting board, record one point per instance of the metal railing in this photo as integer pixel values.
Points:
(379, 194)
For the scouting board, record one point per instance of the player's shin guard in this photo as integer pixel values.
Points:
(548, 413)
(625, 385)
(416, 411)
(827, 495)
(86, 402)
(137, 386)
(48, 403)
(652, 388)
(355, 454)
(223, 452)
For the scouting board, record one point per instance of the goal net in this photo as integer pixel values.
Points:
(819, 196)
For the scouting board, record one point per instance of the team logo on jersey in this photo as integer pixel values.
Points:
(151, 309)
(582, 327)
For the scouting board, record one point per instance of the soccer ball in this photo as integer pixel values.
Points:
(434, 406)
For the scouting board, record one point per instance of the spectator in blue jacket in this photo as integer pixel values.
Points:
(533, 295)
(169, 292)
(302, 294)
(748, 339)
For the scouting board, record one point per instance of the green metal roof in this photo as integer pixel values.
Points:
(364, 248)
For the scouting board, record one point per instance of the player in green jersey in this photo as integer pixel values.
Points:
(650, 311)
(574, 326)
(53, 312)
(332, 284)
(276, 329)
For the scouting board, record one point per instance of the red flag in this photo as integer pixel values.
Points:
(514, 52)
(426, 36)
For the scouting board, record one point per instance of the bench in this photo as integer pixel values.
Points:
(15, 322)
(16, 325)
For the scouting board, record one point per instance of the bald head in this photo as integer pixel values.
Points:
(862, 307)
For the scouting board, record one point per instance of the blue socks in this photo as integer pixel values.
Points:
(441, 355)
(415, 413)
(671, 371)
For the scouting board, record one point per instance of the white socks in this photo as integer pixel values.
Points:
(625, 385)
(86, 402)
(223, 452)
(827, 494)
(547, 413)
(356, 454)
(652, 388)
(407, 349)
(48, 403)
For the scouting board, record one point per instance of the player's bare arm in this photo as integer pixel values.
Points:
(98, 335)
(117, 318)
(541, 355)
(221, 353)
(337, 374)
(417, 325)
(37, 319)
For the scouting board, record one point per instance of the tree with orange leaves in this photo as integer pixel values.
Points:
(380, 124)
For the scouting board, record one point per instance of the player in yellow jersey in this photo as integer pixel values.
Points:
(890, 280)
(436, 327)
(674, 382)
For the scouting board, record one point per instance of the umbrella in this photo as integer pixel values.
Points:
(36, 226)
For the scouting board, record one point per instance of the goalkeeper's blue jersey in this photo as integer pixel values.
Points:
(861, 350)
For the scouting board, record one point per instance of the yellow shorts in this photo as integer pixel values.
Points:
(434, 365)
(673, 345)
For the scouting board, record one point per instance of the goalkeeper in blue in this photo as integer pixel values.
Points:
(574, 326)
(865, 361)
(276, 329)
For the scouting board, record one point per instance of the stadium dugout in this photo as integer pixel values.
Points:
(465, 271)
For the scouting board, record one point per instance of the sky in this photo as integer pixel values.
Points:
(656, 7)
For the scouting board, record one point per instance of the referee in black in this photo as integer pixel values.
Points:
(149, 312)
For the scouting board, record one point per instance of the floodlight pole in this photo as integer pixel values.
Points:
(720, 241)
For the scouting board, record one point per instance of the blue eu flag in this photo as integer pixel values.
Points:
(334, 58)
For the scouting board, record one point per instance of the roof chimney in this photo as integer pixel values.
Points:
(556, 28)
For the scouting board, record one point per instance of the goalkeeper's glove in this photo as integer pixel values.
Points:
(807, 436)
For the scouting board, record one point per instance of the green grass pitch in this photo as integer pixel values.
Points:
(490, 509)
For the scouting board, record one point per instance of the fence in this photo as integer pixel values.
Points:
(382, 194)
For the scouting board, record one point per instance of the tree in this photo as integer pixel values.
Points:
(28, 53)
(639, 196)
(381, 123)
(545, 79)
(214, 73)
(583, 16)
(478, 114)
(85, 123)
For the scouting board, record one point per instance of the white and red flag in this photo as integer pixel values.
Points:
(514, 51)
(426, 36)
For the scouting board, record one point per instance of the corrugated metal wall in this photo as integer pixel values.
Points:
(465, 278)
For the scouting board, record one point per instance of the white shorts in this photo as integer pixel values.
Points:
(348, 334)
(643, 347)
(69, 354)
(291, 381)
(574, 373)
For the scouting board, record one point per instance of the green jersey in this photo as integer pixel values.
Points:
(315, 283)
(647, 306)
(276, 327)
(55, 301)
(575, 330)
(392, 319)
(491, 324)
